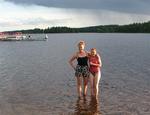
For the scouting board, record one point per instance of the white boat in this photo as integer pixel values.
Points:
(46, 36)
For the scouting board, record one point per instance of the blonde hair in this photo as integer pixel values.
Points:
(81, 43)
(93, 49)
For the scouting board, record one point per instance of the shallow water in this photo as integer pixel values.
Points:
(36, 79)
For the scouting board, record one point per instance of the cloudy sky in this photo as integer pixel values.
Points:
(29, 14)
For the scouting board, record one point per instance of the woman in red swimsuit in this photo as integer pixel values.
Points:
(95, 73)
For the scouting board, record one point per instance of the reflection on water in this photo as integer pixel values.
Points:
(87, 107)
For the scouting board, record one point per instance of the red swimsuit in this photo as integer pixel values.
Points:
(94, 59)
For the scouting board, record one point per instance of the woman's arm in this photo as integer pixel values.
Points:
(94, 64)
(87, 54)
(99, 64)
(100, 61)
(71, 61)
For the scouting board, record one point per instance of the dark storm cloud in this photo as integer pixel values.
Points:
(129, 6)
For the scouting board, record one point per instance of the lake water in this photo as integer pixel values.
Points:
(36, 79)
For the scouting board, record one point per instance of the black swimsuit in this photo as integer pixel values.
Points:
(82, 68)
(82, 61)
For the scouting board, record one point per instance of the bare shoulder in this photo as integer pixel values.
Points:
(98, 55)
(87, 53)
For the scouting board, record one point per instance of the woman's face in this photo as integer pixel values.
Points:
(81, 46)
(93, 52)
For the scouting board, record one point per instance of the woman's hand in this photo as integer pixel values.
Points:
(94, 64)
(91, 63)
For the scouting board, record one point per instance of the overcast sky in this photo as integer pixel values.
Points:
(28, 14)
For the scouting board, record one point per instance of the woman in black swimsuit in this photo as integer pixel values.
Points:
(82, 69)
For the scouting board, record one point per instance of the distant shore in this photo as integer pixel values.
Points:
(130, 28)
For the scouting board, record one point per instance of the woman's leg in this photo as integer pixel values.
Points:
(96, 82)
(79, 86)
(85, 83)
(91, 84)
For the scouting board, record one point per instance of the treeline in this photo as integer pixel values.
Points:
(131, 28)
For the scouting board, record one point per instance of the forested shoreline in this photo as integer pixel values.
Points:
(130, 28)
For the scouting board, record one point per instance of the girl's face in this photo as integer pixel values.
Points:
(93, 52)
(81, 47)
